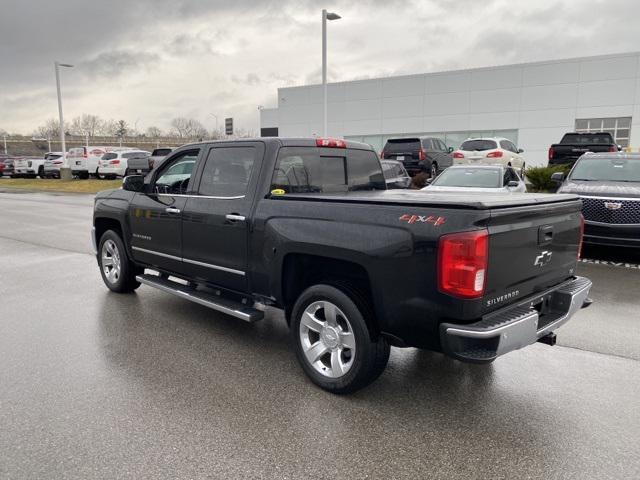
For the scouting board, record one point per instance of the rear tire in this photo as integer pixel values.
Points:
(332, 340)
(434, 170)
(41, 172)
(83, 175)
(118, 272)
(523, 170)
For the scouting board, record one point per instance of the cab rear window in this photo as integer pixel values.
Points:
(323, 170)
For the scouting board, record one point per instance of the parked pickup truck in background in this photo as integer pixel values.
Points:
(29, 167)
(307, 226)
(573, 145)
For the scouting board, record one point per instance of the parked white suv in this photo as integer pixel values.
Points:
(490, 151)
(115, 164)
(53, 161)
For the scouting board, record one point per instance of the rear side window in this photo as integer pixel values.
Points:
(109, 156)
(227, 171)
(161, 152)
(507, 145)
(402, 145)
(135, 155)
(322, 170)
(478, 145)
(52, 156)
(580, 138)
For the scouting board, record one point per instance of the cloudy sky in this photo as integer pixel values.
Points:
(148, 61)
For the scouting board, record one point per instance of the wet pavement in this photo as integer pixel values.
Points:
(99, 385)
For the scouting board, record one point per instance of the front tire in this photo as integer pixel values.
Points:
(118, 272)
(332, 340)
(523, 171)
(41, 172)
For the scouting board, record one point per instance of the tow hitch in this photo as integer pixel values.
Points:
(548, 339)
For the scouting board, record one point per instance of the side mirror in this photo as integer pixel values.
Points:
(619, 148)
(513, 183)
(557, 178)
(450, 149)
(133, 183)
(520, 150)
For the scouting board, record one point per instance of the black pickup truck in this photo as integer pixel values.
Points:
(573, 145)
(307, 226)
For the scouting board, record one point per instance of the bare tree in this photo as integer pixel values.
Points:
(50, 129)
(188, 128)
(245, 133)
(154, 132)
(87, 125)
(110, 127)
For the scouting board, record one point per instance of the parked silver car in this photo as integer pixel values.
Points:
(478, 178)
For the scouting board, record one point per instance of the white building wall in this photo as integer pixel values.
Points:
(541, 101)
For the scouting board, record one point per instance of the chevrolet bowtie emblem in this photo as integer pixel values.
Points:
(543, 259)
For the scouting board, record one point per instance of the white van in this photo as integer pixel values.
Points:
(84, 161)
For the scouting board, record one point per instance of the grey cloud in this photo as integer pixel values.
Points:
(250, 79)
(120, 62)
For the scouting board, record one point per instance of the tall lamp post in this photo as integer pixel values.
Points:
(65, 171)
(325, 16)
(216, 117)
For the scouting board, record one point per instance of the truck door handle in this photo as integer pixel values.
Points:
(233, 217)
(172, 210)
(545, 235)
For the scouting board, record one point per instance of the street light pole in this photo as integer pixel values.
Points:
(216, 117)
(65, 171)
(325, 16)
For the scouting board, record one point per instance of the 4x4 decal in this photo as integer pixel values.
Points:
(410, 219)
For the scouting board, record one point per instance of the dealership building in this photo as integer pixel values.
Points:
(532, 104)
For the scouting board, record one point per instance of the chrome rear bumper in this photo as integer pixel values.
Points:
(516, 326)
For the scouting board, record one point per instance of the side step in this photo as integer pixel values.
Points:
(222, 305)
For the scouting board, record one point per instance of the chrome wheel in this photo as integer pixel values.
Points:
(111, 264)
(327, 339)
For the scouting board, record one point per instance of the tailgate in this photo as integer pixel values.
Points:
(531, 248)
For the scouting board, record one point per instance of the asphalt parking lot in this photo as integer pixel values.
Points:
(99, 385)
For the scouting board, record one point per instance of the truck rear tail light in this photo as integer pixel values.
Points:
(495, 154)
(458, 155)
(462, 263)
(382, 155)
(421, 154)
(581, 236)
(331, 142)
(114, 162)
(613, 148)
(551, 153)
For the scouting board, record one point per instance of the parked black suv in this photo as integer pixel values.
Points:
(419, 154)
(609, 185)
(308, 226)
